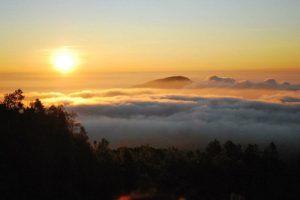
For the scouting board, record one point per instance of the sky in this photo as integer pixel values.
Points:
(151, 35)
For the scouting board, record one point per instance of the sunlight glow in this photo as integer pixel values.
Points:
(64, 60)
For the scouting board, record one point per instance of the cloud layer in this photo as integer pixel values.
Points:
(187, 118)
(225, 82)
(189, 122)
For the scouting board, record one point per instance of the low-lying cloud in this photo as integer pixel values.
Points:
(289, 99)
(187, 118)
(226, 82)
(189, 122)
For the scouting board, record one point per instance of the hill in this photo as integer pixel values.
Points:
(174, 82)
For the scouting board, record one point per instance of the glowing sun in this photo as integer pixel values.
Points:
(64, 60)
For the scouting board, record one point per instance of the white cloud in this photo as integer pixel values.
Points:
(191, 121)
(185, 118)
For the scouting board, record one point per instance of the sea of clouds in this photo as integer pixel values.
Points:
(187, 118)
(189, 122)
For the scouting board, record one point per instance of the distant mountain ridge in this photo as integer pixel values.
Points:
(174, 82)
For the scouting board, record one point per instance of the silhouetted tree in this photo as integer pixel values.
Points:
(252, 154)
(214, 148)
(37, 106)
(14, 100)
(271, 152)
(232, 150)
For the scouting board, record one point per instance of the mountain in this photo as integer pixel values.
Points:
(172, 82)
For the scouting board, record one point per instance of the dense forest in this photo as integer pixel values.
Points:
(46, 154)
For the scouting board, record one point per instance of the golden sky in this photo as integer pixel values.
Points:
(125, 36)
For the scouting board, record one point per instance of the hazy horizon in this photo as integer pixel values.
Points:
(53, 82)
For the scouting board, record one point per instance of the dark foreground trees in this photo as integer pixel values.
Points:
(45, 154)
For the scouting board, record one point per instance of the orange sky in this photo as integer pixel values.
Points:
(151, 35)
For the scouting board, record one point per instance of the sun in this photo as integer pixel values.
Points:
(64, 60)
